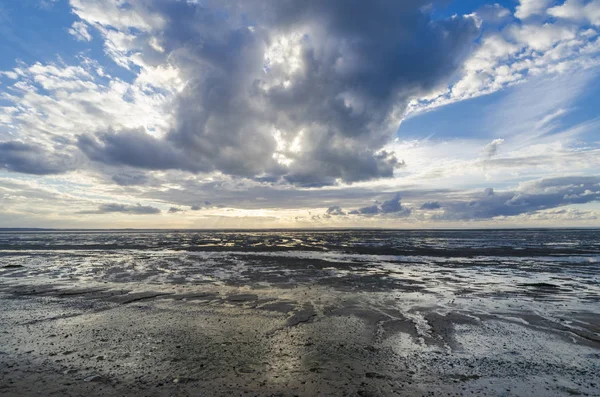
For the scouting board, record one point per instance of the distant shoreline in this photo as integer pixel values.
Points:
(157, 230)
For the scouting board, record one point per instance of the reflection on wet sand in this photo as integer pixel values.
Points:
(355, 313)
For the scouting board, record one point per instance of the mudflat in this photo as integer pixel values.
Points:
(300, 313)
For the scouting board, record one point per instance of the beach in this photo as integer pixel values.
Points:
(365, 313)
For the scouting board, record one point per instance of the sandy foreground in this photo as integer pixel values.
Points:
(104, 339)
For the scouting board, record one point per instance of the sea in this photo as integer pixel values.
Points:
(541, 264)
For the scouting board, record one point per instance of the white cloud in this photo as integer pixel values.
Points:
(541, 37)
(547, 119)
(491, 149)
(579, 11)
(56, 101)
(530, 8)
(128, 29)
(80, 31)
(116, 14)
(516, 54)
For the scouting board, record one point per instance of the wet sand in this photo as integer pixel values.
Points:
(115, 340)
(103, 323)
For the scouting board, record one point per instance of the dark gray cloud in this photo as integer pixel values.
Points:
(33, 159)
(321, 117)
(533, 196)
(135, 148)
(488, 191)
(125, 209)
(195, 208)
(174, 210)
(369, 210)
(431, 205)
(335, 210)
(130, 179)
(391, 206)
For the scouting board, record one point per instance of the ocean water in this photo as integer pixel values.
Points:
(544, 265)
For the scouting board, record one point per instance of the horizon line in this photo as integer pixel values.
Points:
(49, 229)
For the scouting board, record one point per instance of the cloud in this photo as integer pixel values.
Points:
(306, 91)
(133, 148)
(130, 179)
(541, 37)
(491, 149)
(33, 159)
(80, 31)
(116, 14)
(174, 210)
(125, 209)
(47, 3)
(513, 52)
(531, 197)
(579, 11)
(54, 103)
(370, 210)
(529, 8)
(391, 206)
(493, 13)
(431, 205)
(195, 208)
(335, 210)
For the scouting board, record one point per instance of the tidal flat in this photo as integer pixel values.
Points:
(286, 313)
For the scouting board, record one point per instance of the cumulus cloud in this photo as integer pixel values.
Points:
(391, 206)
(541, 37)
(532, 196)
(491, 149)
(369, 210)
(529, 8)
(33, 159)
(545, 43)
(53, 103)
(125, 209)
(130, 179)
(335, 210)
(136, 148)
(431, 205)
(578, 10)
(307, 91)
(492, 14)
(174, 210)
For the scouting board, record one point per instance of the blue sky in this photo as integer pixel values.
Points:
(471, 118)
(172, 113)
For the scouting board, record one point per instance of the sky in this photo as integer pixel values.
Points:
(299, 113)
